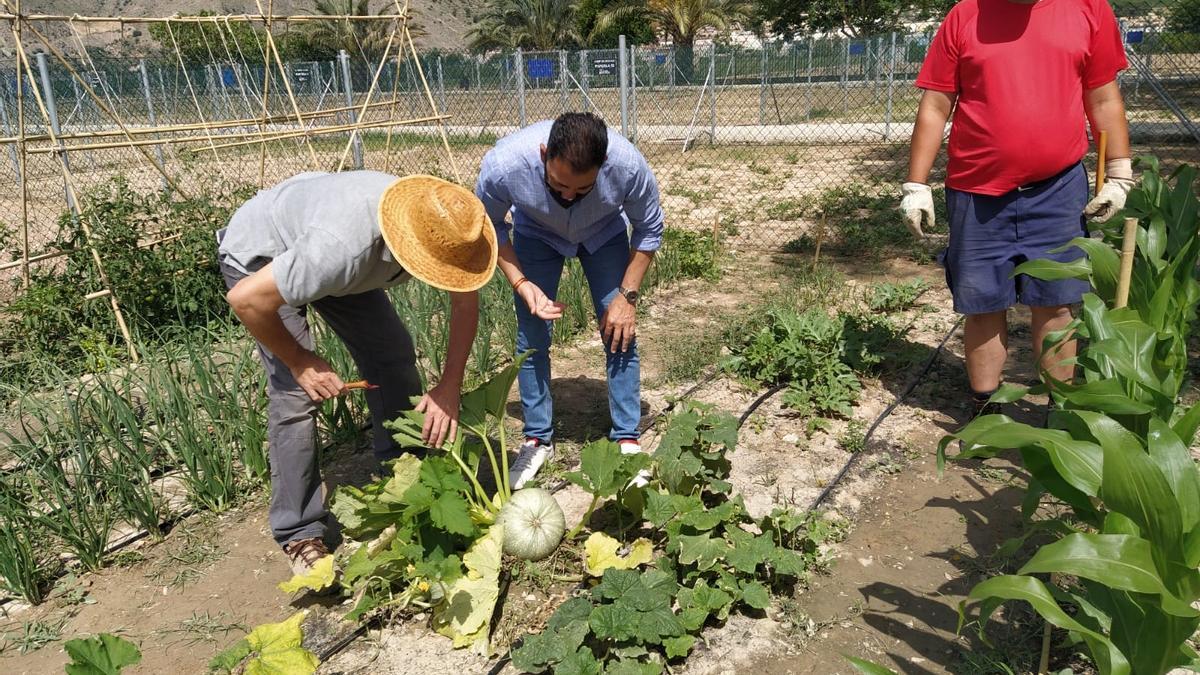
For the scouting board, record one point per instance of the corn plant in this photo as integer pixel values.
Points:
(1116, 451)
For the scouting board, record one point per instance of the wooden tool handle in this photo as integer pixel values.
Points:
(1101, 158)
(359, 384)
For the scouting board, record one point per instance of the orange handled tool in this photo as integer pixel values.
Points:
(360, 384)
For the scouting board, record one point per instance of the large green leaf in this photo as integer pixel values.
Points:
(1118, 561)
(276, 649)
(868, 667)
(1078, 462)
(1151, 640)
(102, 654)
(1043, 268)
(1135, 487)
(465, 615)
(1105, 264)
(1172, 456)
(1185, 427)
(1033, 591)
(1107, 396)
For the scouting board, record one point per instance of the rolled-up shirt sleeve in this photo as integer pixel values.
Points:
(643, 207)
(494, 194)
(316, 266)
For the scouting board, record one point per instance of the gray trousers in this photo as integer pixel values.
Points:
(383, 351)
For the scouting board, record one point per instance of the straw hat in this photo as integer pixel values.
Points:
(439, 232)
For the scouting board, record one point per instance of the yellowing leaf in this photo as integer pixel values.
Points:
(467, 610)
(277, 651)
(319, 578)
(602, 554)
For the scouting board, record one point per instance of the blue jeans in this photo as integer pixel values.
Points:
(604, 271)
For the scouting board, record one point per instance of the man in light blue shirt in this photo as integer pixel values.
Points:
(573, 189)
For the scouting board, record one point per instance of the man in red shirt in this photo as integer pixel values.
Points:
(1020, 77)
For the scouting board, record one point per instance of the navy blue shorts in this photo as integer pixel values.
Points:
(990, 236)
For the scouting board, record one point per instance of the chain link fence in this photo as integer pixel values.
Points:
(747, 138)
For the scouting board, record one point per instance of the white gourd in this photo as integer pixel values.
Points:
(533, 524)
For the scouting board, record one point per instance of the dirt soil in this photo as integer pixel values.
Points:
(891, 594)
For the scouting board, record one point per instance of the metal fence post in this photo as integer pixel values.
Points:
(633, 91)
(562, 76)
(8, 131)
(762, 86)
(808, 90)
(887, 124)
(519, 73)
(583, 79)
(846, 79)
(671, 70)
(623, 79)
(441, 85)
(150, 115)
(348, 90)
(52, 112)
(712, 103)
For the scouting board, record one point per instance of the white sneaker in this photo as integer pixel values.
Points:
(530, 458)
(631, 447)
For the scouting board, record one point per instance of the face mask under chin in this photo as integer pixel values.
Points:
(565, 203)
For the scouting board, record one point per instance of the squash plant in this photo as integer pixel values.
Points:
(1116, 451)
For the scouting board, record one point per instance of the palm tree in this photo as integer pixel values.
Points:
(360, 39)
(680, 20)
(537, 25)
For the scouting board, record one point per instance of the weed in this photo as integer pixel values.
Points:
(895, 297)
(686, 254)
(696, 196)
(787, 209)
(760, 169)
(189, 558)
(691, 351)
(853, 439)
(205, 628)
(34, 635)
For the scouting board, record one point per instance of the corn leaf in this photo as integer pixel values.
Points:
(1031, 590)
(1135, 487)
(1043, 268)
(1118, 561)
(1172, 456)
(868, 667)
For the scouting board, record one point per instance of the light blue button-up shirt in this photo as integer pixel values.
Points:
(512, 179)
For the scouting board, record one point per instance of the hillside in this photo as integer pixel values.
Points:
(444, 21)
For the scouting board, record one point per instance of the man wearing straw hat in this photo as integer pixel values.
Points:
(334, 242)
(1021, 77)
(574, 189)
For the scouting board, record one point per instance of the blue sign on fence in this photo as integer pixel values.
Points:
(1135, 37)
(660, 59)
(858, 48)
(541, 68)
(228, 76)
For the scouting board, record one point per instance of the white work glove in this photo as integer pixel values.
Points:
(917, 206)
(1116, 188)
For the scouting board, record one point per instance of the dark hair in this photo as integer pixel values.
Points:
(579, 139)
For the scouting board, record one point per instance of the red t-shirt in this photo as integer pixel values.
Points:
(1020, 71)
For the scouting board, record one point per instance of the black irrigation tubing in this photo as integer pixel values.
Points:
(912, 386)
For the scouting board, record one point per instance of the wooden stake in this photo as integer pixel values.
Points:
(1128, 249)
(22, 158)
(429, 95)
(262, 156)
(287, 86)
(1102, 151)
(387, 50)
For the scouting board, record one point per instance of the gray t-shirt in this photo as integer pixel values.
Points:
(321, 232)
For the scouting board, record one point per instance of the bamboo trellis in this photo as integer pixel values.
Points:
(210, 136)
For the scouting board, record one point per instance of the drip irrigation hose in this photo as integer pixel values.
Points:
(912, 386)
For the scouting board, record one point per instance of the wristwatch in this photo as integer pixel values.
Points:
(630, 295)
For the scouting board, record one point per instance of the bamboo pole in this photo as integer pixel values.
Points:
(247, 18)
(200, 126)
(65, 252)
(69, 182)
(328, 130)
(188, 80)
(370, 92)
(22, 158)
(1102, 151)
(266, 97)
(287, 86)
(256, 136)
(104, 108)
(1128, 249)
(429, 97)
